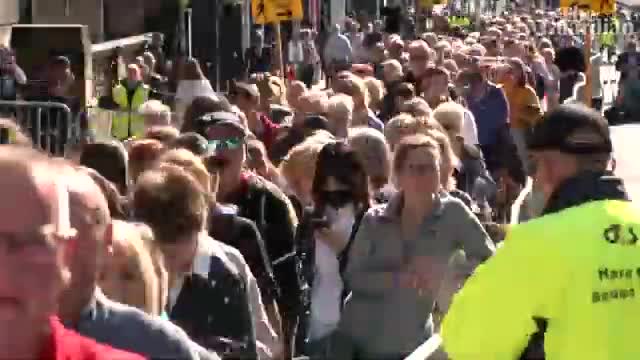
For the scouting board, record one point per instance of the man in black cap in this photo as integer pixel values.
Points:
(259, 200)
(556, 273)
(571, 151)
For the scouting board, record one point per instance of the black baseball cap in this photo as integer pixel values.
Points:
(315, 122)
(219, 118)
(572, 129)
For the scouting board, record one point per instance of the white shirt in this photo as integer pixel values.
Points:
(596, 80)
(469, 129)
(326, 293)
(189, 90)
(337, 48)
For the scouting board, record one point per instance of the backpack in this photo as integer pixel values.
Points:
(215, 312)
(285, 267)
(226, 228)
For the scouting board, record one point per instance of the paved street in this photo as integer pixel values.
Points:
(625, 144)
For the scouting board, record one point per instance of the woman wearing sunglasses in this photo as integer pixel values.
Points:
(340, 199)
(400, 257)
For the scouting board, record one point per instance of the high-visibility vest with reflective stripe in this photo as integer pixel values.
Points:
(128, 123)
(578, 268)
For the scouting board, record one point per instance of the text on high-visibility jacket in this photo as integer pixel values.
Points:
(578, 268)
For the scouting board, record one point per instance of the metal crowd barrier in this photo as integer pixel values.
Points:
(100, 121)
(52, 125)
(429, 350)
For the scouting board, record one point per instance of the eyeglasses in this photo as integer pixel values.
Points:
(43, 238)
(420, 169)
(337, 198)
(219, 145)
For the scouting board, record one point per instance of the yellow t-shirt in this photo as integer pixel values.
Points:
(524, 106)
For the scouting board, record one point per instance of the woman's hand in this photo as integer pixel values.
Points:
(424, 273)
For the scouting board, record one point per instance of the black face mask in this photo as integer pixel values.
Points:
(337, 198)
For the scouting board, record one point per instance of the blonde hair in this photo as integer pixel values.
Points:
(340, 107)
(448, 159)
(403, 125)
(316, 101)
(430, 38)
(393, 68)
(300, 161)
(373, 150)
(192, 164)
(450, 115)
(155, 108)
(444, 46)
(411, 143)
(146, 234)
(298, 86)
(354, 87)
(127, 242)
(416, 106)
(375, 89)
(451, 66)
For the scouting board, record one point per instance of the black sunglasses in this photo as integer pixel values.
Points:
(337, 198)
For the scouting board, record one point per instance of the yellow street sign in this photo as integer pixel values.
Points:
(259, 11)
(284, 10)
(605, 7)
(600, 7)
(270, 11)
(430, 3)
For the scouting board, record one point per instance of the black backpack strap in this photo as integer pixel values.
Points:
(221, 227)
(343, 258)
(243, 348)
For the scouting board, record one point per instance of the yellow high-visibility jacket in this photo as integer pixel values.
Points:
(578, 268)
(128, 123)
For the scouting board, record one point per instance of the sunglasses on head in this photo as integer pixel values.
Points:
(219, 145)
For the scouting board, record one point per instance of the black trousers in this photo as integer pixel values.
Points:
(596, 103)
(306, 74)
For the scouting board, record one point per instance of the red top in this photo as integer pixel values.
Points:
(269, 130)
(65, 344)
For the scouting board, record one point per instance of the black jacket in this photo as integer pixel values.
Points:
(215, 312)
(305, 244)
(269, 208)
(242, 234)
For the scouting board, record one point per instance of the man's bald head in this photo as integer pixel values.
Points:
(35, 242)
(31, 179)
(89, 206)
(90, 217)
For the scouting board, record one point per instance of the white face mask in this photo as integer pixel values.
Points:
(342, 219)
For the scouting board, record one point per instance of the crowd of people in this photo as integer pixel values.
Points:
(354, 220)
